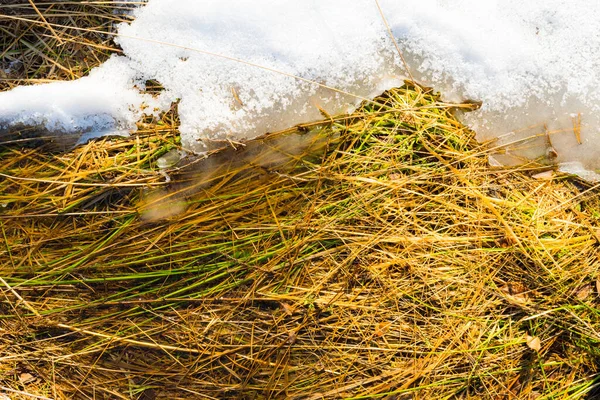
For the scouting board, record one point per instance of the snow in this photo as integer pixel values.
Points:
(242, 68)
(106, 99)
(535, 65)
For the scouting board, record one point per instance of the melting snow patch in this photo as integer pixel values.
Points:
(533, 64)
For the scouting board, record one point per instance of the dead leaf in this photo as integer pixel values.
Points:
(26, 377)
(516, 292)
(598, 285)
(534, 343)
(546, 175)
(583, 292)
(288, 309)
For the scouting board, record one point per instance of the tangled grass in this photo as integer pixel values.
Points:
(56, 40)
(396, 264)
(389, 263)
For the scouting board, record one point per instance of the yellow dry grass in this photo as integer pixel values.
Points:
(391, 263)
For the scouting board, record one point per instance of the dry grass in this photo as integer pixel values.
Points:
(392, 263)
(36, 50)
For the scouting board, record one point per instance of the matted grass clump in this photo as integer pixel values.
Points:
(386, 261)
(396, 265)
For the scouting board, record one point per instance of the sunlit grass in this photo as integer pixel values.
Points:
(387, 261)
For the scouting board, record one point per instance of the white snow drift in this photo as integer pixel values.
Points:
(234, 67)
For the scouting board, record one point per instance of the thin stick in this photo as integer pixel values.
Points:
(46, 22)
(18, 178)
(7, 389)
(395, 41)
(18, 296)
(134, 342)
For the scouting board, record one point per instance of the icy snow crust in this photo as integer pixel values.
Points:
(531, 63)
(99, 102)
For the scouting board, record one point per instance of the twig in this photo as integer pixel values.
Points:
(46, 22)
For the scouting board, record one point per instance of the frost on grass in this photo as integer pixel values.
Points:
(535, 66)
